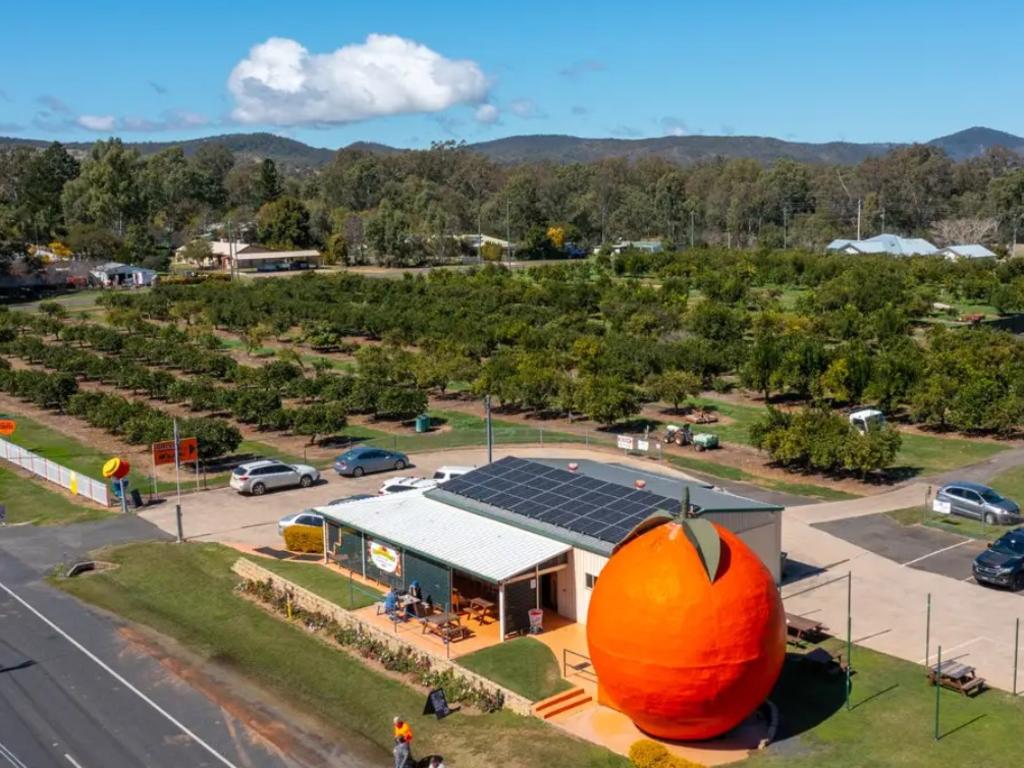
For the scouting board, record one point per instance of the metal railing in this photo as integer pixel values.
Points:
(584, 668)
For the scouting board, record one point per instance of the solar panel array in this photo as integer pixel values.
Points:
(582, 504)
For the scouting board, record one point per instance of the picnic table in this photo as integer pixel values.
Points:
(820, 660)
(444, 625)
(957, 677)
(803, 628)
(479, 608)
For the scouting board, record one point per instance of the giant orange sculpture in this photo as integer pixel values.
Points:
(686, 629)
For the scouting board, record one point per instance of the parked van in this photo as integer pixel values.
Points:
(446, 473)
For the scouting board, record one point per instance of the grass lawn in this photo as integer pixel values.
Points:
(1010, 483)
(930, 454)
(892, 720)
(64, 449)
(29, 501)
(964, 526)
(460, 429)
(326, 583)
(741, 416)
(727, 472)
(523, 665)
(326, 682)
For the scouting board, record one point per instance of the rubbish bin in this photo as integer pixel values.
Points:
(422, 423)
(536, 621)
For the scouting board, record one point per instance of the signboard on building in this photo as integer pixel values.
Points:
(384, 557)
(188, 451)
(625, 442)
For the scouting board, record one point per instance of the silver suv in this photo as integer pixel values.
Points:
(258, 477)
(975, 500)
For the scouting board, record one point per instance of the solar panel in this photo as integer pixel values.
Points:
(558, 497)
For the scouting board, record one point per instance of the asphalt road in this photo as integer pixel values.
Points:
(79, 690)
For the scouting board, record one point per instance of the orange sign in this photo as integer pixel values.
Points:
(7, 427)
(188, 451)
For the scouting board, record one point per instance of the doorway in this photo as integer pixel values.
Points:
(549, 591)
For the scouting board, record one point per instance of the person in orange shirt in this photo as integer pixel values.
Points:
(402, 730)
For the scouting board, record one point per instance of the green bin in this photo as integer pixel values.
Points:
(422, 423)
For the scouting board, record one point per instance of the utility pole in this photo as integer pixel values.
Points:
(858, 218)
(490, 432)
(177, 479)
(883, 219)
(508, 232)
(691, 229)
(785, 227)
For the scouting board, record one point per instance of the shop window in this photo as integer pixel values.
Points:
(591, 580)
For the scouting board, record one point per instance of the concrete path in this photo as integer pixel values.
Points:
(900, 498)
(984, 471)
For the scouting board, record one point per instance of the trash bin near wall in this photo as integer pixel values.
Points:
(536, 621)
(422, 423)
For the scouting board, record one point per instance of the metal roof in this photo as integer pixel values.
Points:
(705, 498)
(465, 541)
(969, 251)
(885, 243)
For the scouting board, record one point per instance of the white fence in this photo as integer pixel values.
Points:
(56, 473)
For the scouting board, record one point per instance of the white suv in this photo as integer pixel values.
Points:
(446, 473)
(400, 484)
(258, 477)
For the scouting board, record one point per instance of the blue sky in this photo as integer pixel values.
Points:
(867, 71)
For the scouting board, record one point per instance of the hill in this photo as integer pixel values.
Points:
(682, 150)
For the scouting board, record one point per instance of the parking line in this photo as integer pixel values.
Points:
(937, 552)
(109, 670)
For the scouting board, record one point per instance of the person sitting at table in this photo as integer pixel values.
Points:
(417, 594)
(391, 603)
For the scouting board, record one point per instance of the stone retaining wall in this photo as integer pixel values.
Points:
(309, 601)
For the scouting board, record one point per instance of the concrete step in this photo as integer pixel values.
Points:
(561, 702)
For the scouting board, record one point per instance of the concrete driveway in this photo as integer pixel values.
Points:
(228, 517)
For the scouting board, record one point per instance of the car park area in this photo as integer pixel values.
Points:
(917, 546)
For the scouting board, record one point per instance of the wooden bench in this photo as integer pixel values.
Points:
(956, 677)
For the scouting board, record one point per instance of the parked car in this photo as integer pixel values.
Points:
(258, 477)
(356, 462)
(975, 500)
(446, 473)
(305, 517)
(400, 484)
(1002, 563)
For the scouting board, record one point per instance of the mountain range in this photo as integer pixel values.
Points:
(683, 150)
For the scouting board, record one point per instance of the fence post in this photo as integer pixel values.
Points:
(1016, 654)
(928, 631)
(938, 690)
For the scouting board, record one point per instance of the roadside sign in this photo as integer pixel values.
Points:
(437, 704)
(625, 442)
(942, 507)
(7, 427)
(643, 445)
(188, 451)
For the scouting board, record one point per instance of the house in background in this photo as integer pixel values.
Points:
(973, 251)
(647, 246)
(114, 274)
(250, 257)
(894, 245)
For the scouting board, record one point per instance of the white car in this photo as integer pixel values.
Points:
(400, 484)
(305, 517)
(258, 477)
(447, 472)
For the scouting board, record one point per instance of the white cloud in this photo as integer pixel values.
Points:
(487, 114)
(525, 108)
(97, 122)
(282, 83)
(673, 126)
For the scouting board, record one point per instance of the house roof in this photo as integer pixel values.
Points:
(468, 542)
(555, 505)
(117, 268)
(886, 243)
(971, 251)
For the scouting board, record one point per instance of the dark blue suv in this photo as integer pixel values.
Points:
(1002, 564)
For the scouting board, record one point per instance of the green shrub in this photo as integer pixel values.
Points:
(647, 753)
(303, 538)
